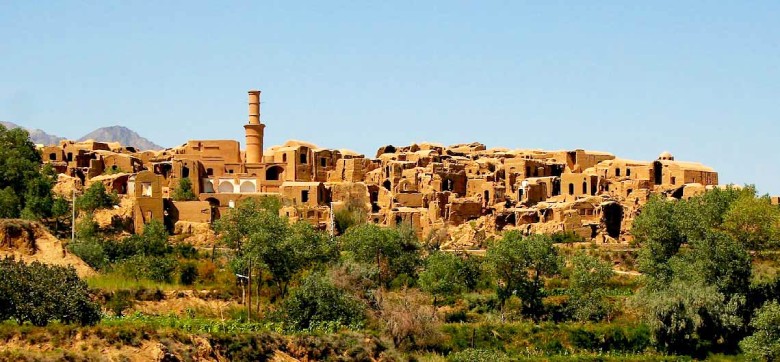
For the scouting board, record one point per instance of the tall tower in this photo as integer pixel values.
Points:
(254, 130)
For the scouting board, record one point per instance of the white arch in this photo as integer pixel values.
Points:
(248, 187)
(226, 187)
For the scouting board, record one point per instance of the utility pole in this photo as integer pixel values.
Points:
(249, 294)
(332, 223)
(73, 218)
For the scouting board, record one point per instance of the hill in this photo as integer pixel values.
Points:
(123, 135)
(36, 136)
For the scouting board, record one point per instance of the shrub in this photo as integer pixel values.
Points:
(39, 293)
(188, 273)
(317, 303)
(409, 320)
(119, 302)
(91, 252)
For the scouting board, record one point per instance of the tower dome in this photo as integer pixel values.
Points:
(666, 156)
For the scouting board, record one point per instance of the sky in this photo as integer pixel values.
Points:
(700, 79)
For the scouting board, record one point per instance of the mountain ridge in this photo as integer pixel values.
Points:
(121, 134)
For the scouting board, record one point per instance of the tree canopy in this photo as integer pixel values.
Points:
(25, 186)
(518, 264)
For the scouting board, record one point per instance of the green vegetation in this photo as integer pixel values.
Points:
(96, 197)
(709, 288)
(183, 190)
(39, 294)
(518, 265)
(25, 185)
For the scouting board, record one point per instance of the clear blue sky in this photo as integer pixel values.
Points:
(700, 79)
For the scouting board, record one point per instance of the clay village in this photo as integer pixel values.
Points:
(460, 194)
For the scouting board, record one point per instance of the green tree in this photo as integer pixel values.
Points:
(25, 188)
(690, 319)
(317, 303)
(39, 201)
(754, 222)
(393, 251)
(519, 264)
(258, 234)
(9, 203)
(60, 210)
(443, 275)
(587, 287)
(764, 343)
(96, 197)
(183, 190)
(684, 245)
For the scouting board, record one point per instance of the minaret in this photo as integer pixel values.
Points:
(254, 130)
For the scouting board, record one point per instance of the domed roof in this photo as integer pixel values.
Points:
(666, 156)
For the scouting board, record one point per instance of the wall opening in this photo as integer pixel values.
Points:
(584, 188)
(613, 218)
(556, 187)
(657, 172)
(449, 185)
(303, 158)
(304, 195)
(571, 189)
(273, 173)
(617, 172)
(52, 157)
(387, 185)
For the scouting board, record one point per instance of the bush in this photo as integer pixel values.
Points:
(409, 320)
(119, 302)
(188, 273)
(155, 268)
(39, 293)
(91, 252)
(566, 237)
(317, 303)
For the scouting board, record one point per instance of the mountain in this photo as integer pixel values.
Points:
(36, 136)
(123, 135)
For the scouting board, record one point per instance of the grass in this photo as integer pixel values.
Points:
(113, 282)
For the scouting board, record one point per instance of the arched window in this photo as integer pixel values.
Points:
(584, 188)
(571, 189)
(226, 187)
(628, 172)
(617, 172)
(248, 187)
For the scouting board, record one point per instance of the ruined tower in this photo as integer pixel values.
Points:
(254, 130)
